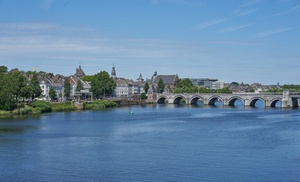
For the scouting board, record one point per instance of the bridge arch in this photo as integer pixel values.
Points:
(214, 98)
(255, 99)
(178, 98)
(274, 101)
(232, 100)
(161, 99)
(194, 99)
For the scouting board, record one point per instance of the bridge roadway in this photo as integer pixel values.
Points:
(288, 100)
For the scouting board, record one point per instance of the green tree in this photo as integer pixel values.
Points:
(144, 96)
(79, 86)
(7, 100)
(67, 88)
(3, 69)
(102, 85)
(146, 87)
(17, 82)
(185, 86)
(35, 86)
(161, 86)
(52, 93)
(223, 90)
(88, 78)
(26, 92)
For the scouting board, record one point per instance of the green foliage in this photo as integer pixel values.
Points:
(187, 86)
(26, 92)
(52, 93)
(224, 90)
(42, 105)
(293, 88)
(99, 104)
(17, 81)
(35, 86)
(146, 87)
(275, 89)
(144, 96)
(7, 100)
(234, 83)
(79, 86)
(3, 69)
(88, 78)
(250, 89)
(5, 113)
(67, 106)
(161, 86)
(67, 88)
(102, 85)
(204, 90)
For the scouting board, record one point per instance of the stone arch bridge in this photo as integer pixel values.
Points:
(288, 100)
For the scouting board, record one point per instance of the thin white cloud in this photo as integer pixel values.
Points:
(234, 28)
(245, 8)
(241, 12)
(272, 32)
(59, 42)
(209, 23)
(291, 10)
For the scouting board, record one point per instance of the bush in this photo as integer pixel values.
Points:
(5, 113)
(25, 110)
(44, 106)
(67, 106)
(99, 104)
(144, 96)
(36, 110)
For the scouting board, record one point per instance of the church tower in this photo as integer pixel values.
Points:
(113, 72)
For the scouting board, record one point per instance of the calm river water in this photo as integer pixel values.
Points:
(153, 143)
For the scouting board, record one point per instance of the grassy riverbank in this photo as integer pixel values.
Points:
(38, 107)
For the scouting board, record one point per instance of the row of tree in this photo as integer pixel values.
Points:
(15, 85)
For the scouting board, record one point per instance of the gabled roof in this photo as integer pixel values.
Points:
(167, 79)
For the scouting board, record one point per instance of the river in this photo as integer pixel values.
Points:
(153, 143)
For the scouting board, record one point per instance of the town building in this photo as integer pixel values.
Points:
(168, 80)
(127, 87)
(210, 83)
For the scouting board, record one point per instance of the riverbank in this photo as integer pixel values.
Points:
(38, 107)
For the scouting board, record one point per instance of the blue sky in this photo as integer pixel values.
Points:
(234, 40)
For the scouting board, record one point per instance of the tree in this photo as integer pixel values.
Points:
(67, 88)
(7, 101)
(146, 87)
(26, 92)
(35, 86)
(79, 86)
(102, 85)
(185, 86)
(52, 93)
(144, 96)
(161, 86)
(17, 82)
(223, 90)
(3, 69)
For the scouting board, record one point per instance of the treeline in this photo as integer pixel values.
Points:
(187, 86)
(15, 86)
(292, 88)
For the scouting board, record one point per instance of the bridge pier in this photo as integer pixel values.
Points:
(286, 101)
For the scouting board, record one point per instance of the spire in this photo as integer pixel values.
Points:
(113, 72)
(140, 78)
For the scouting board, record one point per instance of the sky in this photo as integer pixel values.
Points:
(249, 41)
